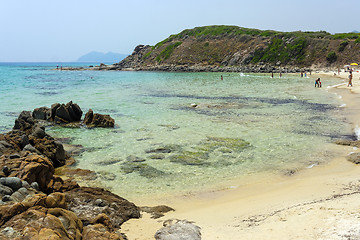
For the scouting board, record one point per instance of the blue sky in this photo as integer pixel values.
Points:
(45, 30)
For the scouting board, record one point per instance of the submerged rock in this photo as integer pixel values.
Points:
(143, 169)
(157, 211)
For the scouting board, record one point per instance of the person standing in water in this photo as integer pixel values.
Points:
(350, 80)
(222, 77)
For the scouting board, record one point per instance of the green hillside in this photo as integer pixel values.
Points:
(232, 46)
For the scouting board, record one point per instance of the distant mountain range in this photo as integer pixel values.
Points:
(109, 57)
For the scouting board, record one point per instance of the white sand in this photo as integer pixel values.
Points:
(318, 203)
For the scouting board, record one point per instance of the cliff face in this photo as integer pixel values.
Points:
(231, 47)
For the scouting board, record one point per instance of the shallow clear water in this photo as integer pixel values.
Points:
(242, 125)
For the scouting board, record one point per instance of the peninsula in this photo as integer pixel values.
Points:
(236, 49)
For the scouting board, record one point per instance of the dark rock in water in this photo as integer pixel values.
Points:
(42, 113)
(106, 175)
(178, 230)
(74, 149)
(142, 169)
(88, 117)
(92, 119)
(61, 113)
(157, 156)
(191, 158)
(354, 158)
(74, 111)
(159, 150)
(13, 182)
(108, 162)
(53, 110)
(133, 158)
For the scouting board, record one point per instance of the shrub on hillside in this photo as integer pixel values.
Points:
(331, 57)
(343, 45)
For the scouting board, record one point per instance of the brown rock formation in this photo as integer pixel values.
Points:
(92, 119)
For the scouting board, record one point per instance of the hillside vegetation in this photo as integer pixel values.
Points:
(237, 47)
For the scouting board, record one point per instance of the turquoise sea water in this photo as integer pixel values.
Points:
(243, 125)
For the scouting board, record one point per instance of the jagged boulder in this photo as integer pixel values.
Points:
(61, 113)
(92, 119)
(42, 113)
(50, 148)
(24, 122)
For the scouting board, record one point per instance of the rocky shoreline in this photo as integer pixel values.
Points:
(40, 198)
(38, 204)
(190, 68)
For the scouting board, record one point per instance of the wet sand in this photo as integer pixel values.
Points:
(317, 203)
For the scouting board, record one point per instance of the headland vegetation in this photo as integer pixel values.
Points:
(221, 48)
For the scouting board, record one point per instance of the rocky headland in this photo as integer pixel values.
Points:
(237, 49)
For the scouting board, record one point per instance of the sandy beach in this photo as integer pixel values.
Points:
(321, 202)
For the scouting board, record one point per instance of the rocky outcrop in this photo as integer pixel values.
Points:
(92, 119)
(42, 113)
(36, 204)
(65, 113)
(92, 204)
(30, 168)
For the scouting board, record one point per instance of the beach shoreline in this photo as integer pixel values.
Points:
(316, 203)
